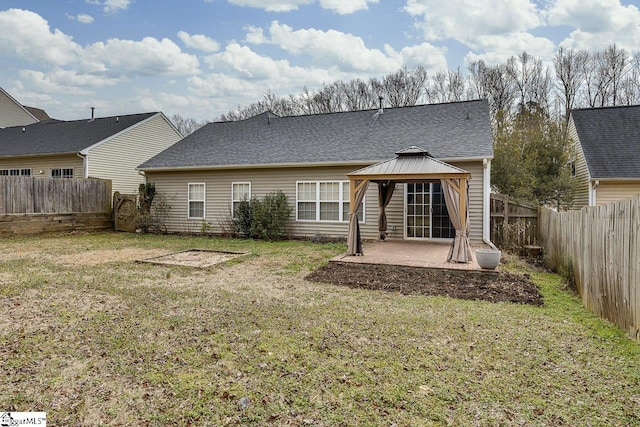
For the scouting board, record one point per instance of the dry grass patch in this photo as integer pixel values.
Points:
(251, 342)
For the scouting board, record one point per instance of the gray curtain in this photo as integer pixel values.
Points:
(354, 241)
(460, 249)
(385, 191)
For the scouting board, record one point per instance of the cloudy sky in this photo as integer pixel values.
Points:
(200, 58)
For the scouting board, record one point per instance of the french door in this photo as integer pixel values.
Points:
(426, 214)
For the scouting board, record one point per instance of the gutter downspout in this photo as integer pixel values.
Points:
(486, 199)
(85, 163)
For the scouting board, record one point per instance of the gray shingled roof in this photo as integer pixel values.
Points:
(449, 131)
(57, 136)
(610, 139)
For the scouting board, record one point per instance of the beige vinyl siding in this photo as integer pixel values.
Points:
(45, 164)
(173, 186)
(12, 114)
(611, 191)
(117, 158)
(582, 172)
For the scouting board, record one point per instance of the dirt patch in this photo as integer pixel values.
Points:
(108, 255)
(411, 280)
(194, 258)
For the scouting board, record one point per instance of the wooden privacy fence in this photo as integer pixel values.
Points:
(37, 205)
(600, 246)
(514, 224)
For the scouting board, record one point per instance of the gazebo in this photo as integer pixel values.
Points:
(412, 164)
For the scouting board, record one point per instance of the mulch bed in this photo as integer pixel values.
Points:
(492, 287)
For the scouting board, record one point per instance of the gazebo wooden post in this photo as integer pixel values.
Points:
(352, 196)
(462, 192)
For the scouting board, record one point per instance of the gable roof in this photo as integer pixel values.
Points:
(58, 136)
(38, 113)
(448, 131)
(17, 108)
(610, 139)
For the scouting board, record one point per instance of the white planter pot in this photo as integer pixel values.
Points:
(488, 258)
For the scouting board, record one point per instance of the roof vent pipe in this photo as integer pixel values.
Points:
(380, 98)
(23, 129)
(92, 113)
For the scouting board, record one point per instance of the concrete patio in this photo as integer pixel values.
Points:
(410, 253)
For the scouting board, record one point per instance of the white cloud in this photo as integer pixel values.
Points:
(27, 36)
(60, 80)
(147, 57)
(82, 18)
(328, 48)
(199, 41)
(598, 23)
(341, 7)
(498, 49)
(345, 7)
(248, 64)
(465, 20)
(432, 58)
(240, 73)
(112, 6)
(272, 5)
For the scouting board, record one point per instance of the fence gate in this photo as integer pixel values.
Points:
(124, 212)
(514, 224)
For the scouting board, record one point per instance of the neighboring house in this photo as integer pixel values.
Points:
(606, 153)
(12, 113)
(106, 147)
(206, 174)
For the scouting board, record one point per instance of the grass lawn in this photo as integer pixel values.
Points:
(93, 338)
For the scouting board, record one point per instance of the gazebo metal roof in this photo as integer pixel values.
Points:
(411, 164)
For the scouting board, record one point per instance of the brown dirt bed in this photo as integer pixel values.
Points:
(501, 287)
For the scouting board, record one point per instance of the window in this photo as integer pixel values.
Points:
(15, 172)
(196, 200)
(62, 173)
(239, 191)
(324, 201)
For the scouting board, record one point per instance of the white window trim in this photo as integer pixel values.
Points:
(9, 170)
(237, 201)
(73, 172)
(204, 200)
(342, 200)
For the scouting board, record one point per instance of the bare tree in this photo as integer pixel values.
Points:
(616, 63)
(496, 85)
(360, 95)
(568, 63)
(630, 85)
(447, 86)
(405, 87)
(533, 80)
(186, 126)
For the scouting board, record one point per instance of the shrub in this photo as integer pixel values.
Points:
(263, 219)
(153, 210)
(243, 218)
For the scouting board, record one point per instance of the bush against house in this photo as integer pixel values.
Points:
(263, 219)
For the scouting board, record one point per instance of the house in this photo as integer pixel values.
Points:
(105, 147)
(606, 153)
(12, 113)
(207, 173)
